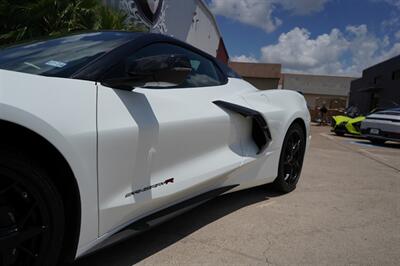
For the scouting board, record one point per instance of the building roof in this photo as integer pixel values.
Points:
(318, 76)
(392, 60)
(257, 70)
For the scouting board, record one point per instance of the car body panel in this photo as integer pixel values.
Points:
(148, 144)
(347, 124)
(387, 124)
(161, 134)
(149, 135)
(68, 122)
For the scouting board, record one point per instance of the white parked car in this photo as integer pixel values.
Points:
(107, 133)
(382, 126)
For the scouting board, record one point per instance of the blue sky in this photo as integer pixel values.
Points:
(338, 37)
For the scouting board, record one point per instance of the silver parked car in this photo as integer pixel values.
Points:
(382, 126)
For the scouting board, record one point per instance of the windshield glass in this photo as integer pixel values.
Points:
(60, 57)
(390, 112)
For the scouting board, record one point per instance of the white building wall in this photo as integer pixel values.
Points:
(187, 20)
(203, 33)
(179, 17)
(319, 85)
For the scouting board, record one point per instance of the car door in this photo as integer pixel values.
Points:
(160, 146)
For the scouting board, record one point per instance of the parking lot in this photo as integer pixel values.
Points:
(345, 211)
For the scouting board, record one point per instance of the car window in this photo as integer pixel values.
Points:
(229, 71)
(204, 72)
(60, 57)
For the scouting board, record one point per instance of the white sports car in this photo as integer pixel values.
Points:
(105, 134)
(382, 126)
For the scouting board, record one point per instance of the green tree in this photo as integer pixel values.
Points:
(22, 20)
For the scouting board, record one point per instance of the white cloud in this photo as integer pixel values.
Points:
(244, 59)
(260, 13)
(297, 51)
(252, 12)
(339, 53)
(397, 35)
(303, 7)
(390, 23)
(395, 3)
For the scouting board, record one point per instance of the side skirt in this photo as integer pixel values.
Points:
(156, 218)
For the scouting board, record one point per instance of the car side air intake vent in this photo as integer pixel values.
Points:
(260, 131)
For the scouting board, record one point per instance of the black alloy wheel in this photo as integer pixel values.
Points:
(291, 160)
(31, 214)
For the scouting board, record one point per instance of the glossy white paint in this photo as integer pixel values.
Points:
(63, 111)
(145, 137)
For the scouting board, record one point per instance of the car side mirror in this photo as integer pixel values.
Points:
(153, 71)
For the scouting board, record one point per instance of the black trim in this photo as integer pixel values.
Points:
(98, 69)
(143, 224)
(382, 134)
(260, 131)
(229, 72)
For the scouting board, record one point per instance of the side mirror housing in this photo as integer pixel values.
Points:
(153, 71)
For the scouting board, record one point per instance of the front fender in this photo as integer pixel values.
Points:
(62, 111)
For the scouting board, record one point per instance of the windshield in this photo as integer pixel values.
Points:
(390, 112)
(60, 57)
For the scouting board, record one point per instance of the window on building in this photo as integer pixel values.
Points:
(377, 79)
(375, 99)
(396, 75)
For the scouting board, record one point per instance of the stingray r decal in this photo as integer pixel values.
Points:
(166, 182)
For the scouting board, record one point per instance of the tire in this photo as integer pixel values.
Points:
(339, 133)
(291, 159)
(377, 141)
(31, 213)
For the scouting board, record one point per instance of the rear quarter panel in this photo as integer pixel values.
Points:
(280, 109)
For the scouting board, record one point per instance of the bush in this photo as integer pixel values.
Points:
(22, 20)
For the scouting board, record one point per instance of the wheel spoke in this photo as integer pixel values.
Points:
(292, 155)
(3, 191)
(27, 251)
(295, 169)
(296, 147)
(5, 258)
(27, 215)
(24, 223)
(17, 238)
(287, 176)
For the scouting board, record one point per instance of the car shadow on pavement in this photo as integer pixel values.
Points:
(348, 136)
(139, 247)
(392, 145)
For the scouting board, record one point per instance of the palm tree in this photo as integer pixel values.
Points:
(22, 20)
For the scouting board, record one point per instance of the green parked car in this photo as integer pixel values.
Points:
(350, 123)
